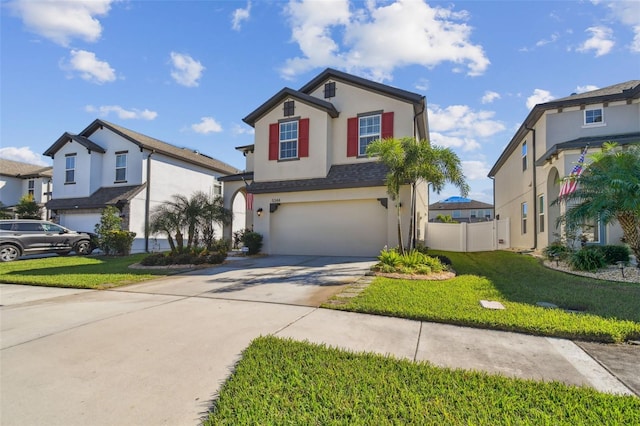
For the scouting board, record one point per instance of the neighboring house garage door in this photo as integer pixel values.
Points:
(342, 228)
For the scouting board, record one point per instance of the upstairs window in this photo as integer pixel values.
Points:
(330, 90)
(31, 188)
(289, 108)
(70, 168)
(288, 140)
(593, 117)
(524, 156)
(368, 131)
(121, 167)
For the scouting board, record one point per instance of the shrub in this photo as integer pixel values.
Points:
(155, 259)
(587, 260)
(557, 248)
(253, 241)
(611, 253)
(216, 258)
(117, 242)
(412, 262)
(389, 257)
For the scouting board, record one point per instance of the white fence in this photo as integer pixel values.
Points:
(463, 237)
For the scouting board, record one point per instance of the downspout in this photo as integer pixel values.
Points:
(535, 191)
(147, 203)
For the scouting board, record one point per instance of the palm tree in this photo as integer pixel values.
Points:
(410, 161)
(165, 219)
(609, 191)
(213, 212)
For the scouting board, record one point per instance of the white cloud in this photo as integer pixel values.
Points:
(89, 67)
(474, 170)
(457, 126)
(22, 154)
(186, 70)
(628, 13)
(240, 15)
(552, 39)
(378, 38)
(238, 130)
(490, 96)
(123, 114)
(587, 88)
(62, 21)
(207, 125)
(539, 96)
(601, 41)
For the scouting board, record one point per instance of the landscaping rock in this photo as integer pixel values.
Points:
(491, 304)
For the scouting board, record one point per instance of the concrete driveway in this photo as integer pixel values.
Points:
(156, 353)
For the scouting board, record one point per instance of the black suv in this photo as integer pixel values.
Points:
(25, 236)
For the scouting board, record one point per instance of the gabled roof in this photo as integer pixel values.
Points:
(23, 170)
(244, 176)
(593, 142)
(289, 93)
(617, 92)
(459, 203)
(373, 86)
(105, 196)
(144, 142)
(358, 175)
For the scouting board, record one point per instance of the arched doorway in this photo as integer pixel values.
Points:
(239, 209)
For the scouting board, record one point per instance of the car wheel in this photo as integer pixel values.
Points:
(9, 253)
(83, 248)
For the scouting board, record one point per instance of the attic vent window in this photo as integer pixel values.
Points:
(330, 90)
(289, 108)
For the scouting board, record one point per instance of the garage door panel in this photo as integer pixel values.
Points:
(345, 228)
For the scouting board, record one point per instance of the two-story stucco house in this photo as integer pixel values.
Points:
(314, 190)
(106, 164)
(461, 209)
(18, 179)
(546, 148)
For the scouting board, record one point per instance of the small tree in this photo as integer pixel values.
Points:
(5, 212)
(27, 208)
(112, 239)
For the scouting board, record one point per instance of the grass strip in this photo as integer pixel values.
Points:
(281, 381)
(89, 272)
(608, 310)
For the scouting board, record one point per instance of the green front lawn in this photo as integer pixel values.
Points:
(282, 382)
(609, 311)
(77, 271)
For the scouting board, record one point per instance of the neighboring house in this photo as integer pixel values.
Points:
(461, 210)
(107, 164)
(546, 148)
(18, 179)
(312, 189)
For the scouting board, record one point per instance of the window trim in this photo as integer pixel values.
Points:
(297, 140)
(31, 188)
(594, 123)
(378, 114)
(124, 154)
(68, 169)
(524, 151)
(524, 213)
(541, 214)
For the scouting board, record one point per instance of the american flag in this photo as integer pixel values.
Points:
(570, 183)
(249, 201)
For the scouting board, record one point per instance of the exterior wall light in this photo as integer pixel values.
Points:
(259, 212)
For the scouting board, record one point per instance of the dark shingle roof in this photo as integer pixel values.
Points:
(23, 170)
(465, 205)
(237, 177)
(105, 196)
(365, 174)
(617, 92)
(593, 142)
(143, 141)
(289, 93)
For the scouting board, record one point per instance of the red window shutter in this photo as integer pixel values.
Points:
(387, 125)
(274, 141)
(303, 137)
(352, 137)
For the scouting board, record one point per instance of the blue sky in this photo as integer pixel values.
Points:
(187, 72)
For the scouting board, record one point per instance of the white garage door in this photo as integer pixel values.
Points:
(85, 222)
(342, 228)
